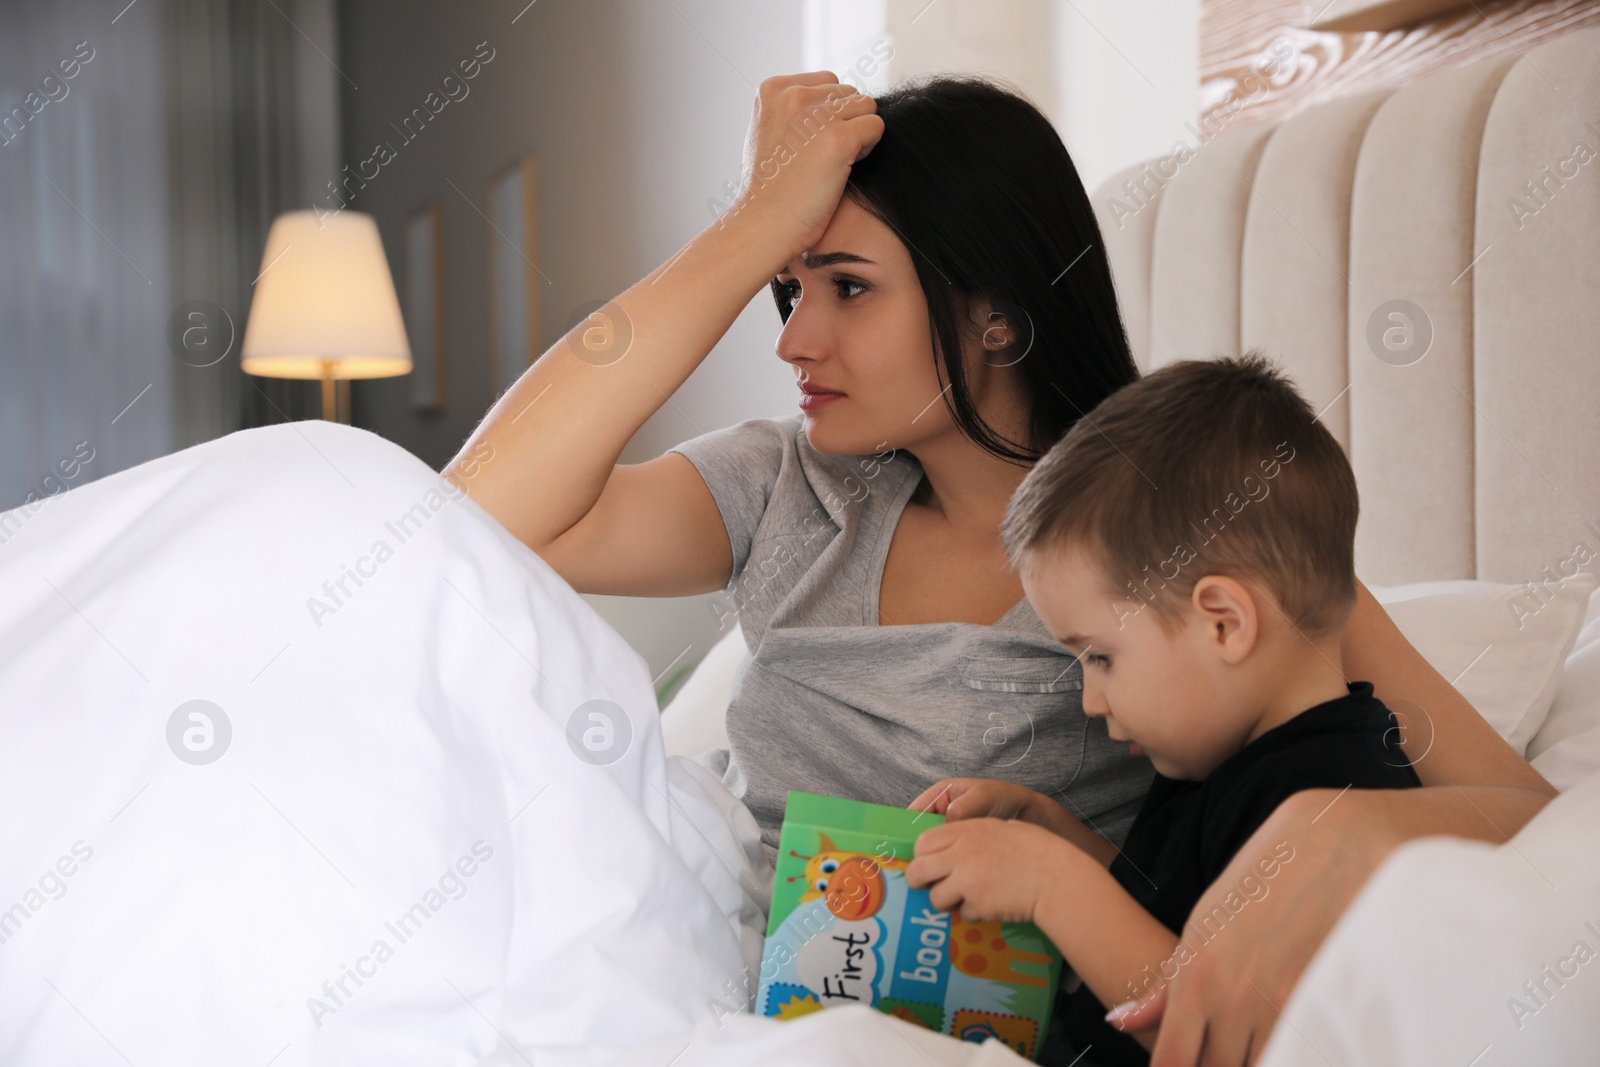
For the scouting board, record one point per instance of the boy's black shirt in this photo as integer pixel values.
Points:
(1187, 832)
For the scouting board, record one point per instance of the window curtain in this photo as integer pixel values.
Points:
(144, 151)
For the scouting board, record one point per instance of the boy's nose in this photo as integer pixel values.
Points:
(1094, 701)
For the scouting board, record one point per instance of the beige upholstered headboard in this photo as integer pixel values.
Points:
(1465, 205)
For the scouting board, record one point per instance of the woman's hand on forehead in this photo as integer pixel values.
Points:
(806, 132)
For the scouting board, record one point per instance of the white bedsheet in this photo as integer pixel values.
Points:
(402, 852)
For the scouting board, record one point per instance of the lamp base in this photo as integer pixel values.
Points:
(335, 396)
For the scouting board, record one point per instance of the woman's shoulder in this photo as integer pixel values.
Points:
(755, 435)
(787, 434)
(777, 455)
(747, 458)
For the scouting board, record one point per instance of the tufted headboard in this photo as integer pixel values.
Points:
(1425, 263)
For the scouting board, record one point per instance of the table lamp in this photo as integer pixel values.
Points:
(325, 306)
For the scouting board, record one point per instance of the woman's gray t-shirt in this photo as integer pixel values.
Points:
(829, 701)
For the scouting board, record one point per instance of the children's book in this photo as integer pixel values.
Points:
(845, 928)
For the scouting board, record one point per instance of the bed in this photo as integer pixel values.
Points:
(307, 760)
(1426, 264)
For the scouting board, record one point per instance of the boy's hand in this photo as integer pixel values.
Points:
(991, 798)
(977, 798)
(991, 869)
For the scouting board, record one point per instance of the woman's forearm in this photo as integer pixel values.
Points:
(1333, 841)
(1489, 813)
(1445, 738)
(558, 432)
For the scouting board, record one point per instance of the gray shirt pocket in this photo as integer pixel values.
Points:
(1025, 719)
(1022, 674)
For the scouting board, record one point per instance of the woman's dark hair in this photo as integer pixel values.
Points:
(980, 189)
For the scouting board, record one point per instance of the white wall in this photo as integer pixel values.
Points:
(1119, 80)
(1128, 81)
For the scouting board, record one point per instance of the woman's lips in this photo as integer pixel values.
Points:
(817, 401)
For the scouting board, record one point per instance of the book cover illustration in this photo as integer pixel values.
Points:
(845, 928)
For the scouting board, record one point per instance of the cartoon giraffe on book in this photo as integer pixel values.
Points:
(852, 887)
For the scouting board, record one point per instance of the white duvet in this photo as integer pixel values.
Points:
(305, 759)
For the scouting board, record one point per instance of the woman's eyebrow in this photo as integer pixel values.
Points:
(828, 259)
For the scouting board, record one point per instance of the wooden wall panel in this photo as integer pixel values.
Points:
(1259, 62)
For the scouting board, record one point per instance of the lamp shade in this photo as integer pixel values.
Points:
(324, 304)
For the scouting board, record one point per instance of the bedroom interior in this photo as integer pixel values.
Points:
(1399, 200)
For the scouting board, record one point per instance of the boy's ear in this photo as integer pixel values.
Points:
(1229, 611)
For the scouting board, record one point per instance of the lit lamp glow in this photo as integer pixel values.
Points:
(325, 305)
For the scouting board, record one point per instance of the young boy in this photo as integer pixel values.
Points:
(1191, 542)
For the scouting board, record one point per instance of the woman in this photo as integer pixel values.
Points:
(949, 312)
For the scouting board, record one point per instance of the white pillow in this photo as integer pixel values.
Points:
(696, 718)
(1566, 750)
(1502, 646)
